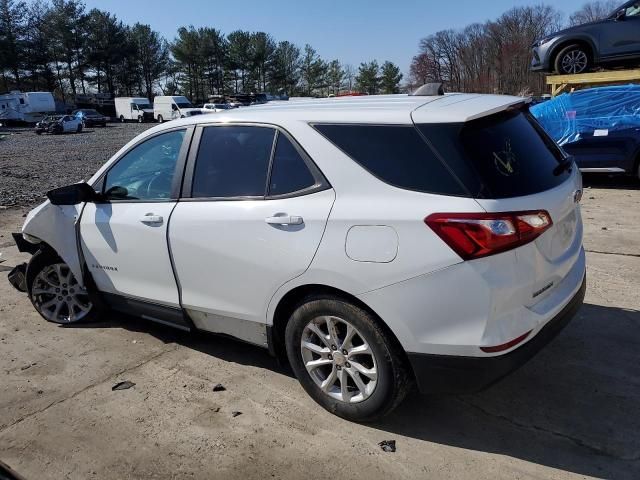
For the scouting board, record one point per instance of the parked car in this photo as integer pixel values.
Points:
(216, 107)
(599, 127)
(374, 243)
(578, 49)
(172, 107)
(59, 124)
(90, 117)
(133, 108)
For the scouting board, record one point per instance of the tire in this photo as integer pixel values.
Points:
(38, 133)
(140, 119)
(384, 380)
(573, 59)
(55, 293)
(121, 118)
(79, 129)
(160, 119)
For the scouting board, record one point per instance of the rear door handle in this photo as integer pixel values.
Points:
(285, 220)
(150, 218)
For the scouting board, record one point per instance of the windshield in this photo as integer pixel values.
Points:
(184, 105)
(144, 106)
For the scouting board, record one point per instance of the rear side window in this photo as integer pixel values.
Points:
(289, 172)
(233, 161)
(501, 156)
(397, 155)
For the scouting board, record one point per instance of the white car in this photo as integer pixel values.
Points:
(59, 124)
(374, 241)
(216, 107)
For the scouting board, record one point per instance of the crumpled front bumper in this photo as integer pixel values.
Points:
(18, 277)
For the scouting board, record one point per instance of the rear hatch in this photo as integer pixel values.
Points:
(508, 164)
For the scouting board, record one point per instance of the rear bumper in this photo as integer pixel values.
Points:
(456, 374)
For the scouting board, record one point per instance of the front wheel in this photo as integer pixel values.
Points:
(160, 119)
(140, 119)
(344, 360)
(573, 59)
(121, 118)
(55, 292)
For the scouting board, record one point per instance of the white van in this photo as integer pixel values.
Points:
(133, 108)
(172, 107)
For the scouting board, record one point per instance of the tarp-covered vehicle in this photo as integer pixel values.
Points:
(599, 127)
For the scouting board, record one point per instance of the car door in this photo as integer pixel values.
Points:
(124, 237)
(621, 37)
(254, 212)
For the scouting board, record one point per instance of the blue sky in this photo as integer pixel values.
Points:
(352, 31)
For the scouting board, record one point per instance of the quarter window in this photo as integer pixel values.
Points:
(395, 154)
(146, 172)
(233, 161)
(289, 172)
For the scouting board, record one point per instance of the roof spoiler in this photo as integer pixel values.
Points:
(429, 90)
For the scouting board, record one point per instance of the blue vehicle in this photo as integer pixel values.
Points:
(599, 127)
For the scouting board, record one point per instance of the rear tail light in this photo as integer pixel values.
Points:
(476, 235)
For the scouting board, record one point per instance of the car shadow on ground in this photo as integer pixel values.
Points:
(622, 182)
(574, 407)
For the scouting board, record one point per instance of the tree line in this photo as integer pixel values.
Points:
(495, 56)
(61, 47)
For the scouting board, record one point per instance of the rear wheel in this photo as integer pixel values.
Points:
(344, 359)
(121, 118)
(573, 59)
(55, 292)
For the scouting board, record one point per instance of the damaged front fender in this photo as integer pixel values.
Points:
(57, 227)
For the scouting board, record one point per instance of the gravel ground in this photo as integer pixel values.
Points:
(31, 164)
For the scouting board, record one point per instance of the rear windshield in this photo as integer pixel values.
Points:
(504, 155)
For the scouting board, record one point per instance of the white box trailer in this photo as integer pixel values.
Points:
(26, 106)
(138, 109)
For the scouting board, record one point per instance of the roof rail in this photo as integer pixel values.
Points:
(429, 90)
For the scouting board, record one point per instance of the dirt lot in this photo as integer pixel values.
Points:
(572, 412)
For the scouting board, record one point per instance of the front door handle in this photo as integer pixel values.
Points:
(152, 219)
(285, 220)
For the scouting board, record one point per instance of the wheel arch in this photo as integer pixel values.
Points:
(584, 41)
(288, 303)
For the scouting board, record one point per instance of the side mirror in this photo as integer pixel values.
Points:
(174, 107)
(621, 14)
(72, 194)
(116, 192)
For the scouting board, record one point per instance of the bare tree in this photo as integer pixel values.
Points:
(592, 11)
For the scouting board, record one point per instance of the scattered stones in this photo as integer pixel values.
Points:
(123, 385)
(235, 414)
(388, 445)
(219, 388)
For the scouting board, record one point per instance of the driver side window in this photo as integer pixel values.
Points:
(633, 10)
(146, 172)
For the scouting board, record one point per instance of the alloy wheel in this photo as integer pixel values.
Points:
(574, 61)
(339, 359)
(58, 296)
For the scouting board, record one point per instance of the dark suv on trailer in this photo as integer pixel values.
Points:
(578, 49)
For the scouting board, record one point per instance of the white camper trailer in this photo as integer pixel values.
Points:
(25, 107)
(138, 109)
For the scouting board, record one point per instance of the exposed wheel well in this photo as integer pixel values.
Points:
(582, 43)
(292, 299)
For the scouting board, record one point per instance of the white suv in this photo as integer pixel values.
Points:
(376, 242)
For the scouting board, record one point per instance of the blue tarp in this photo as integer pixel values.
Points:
(595, 111)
